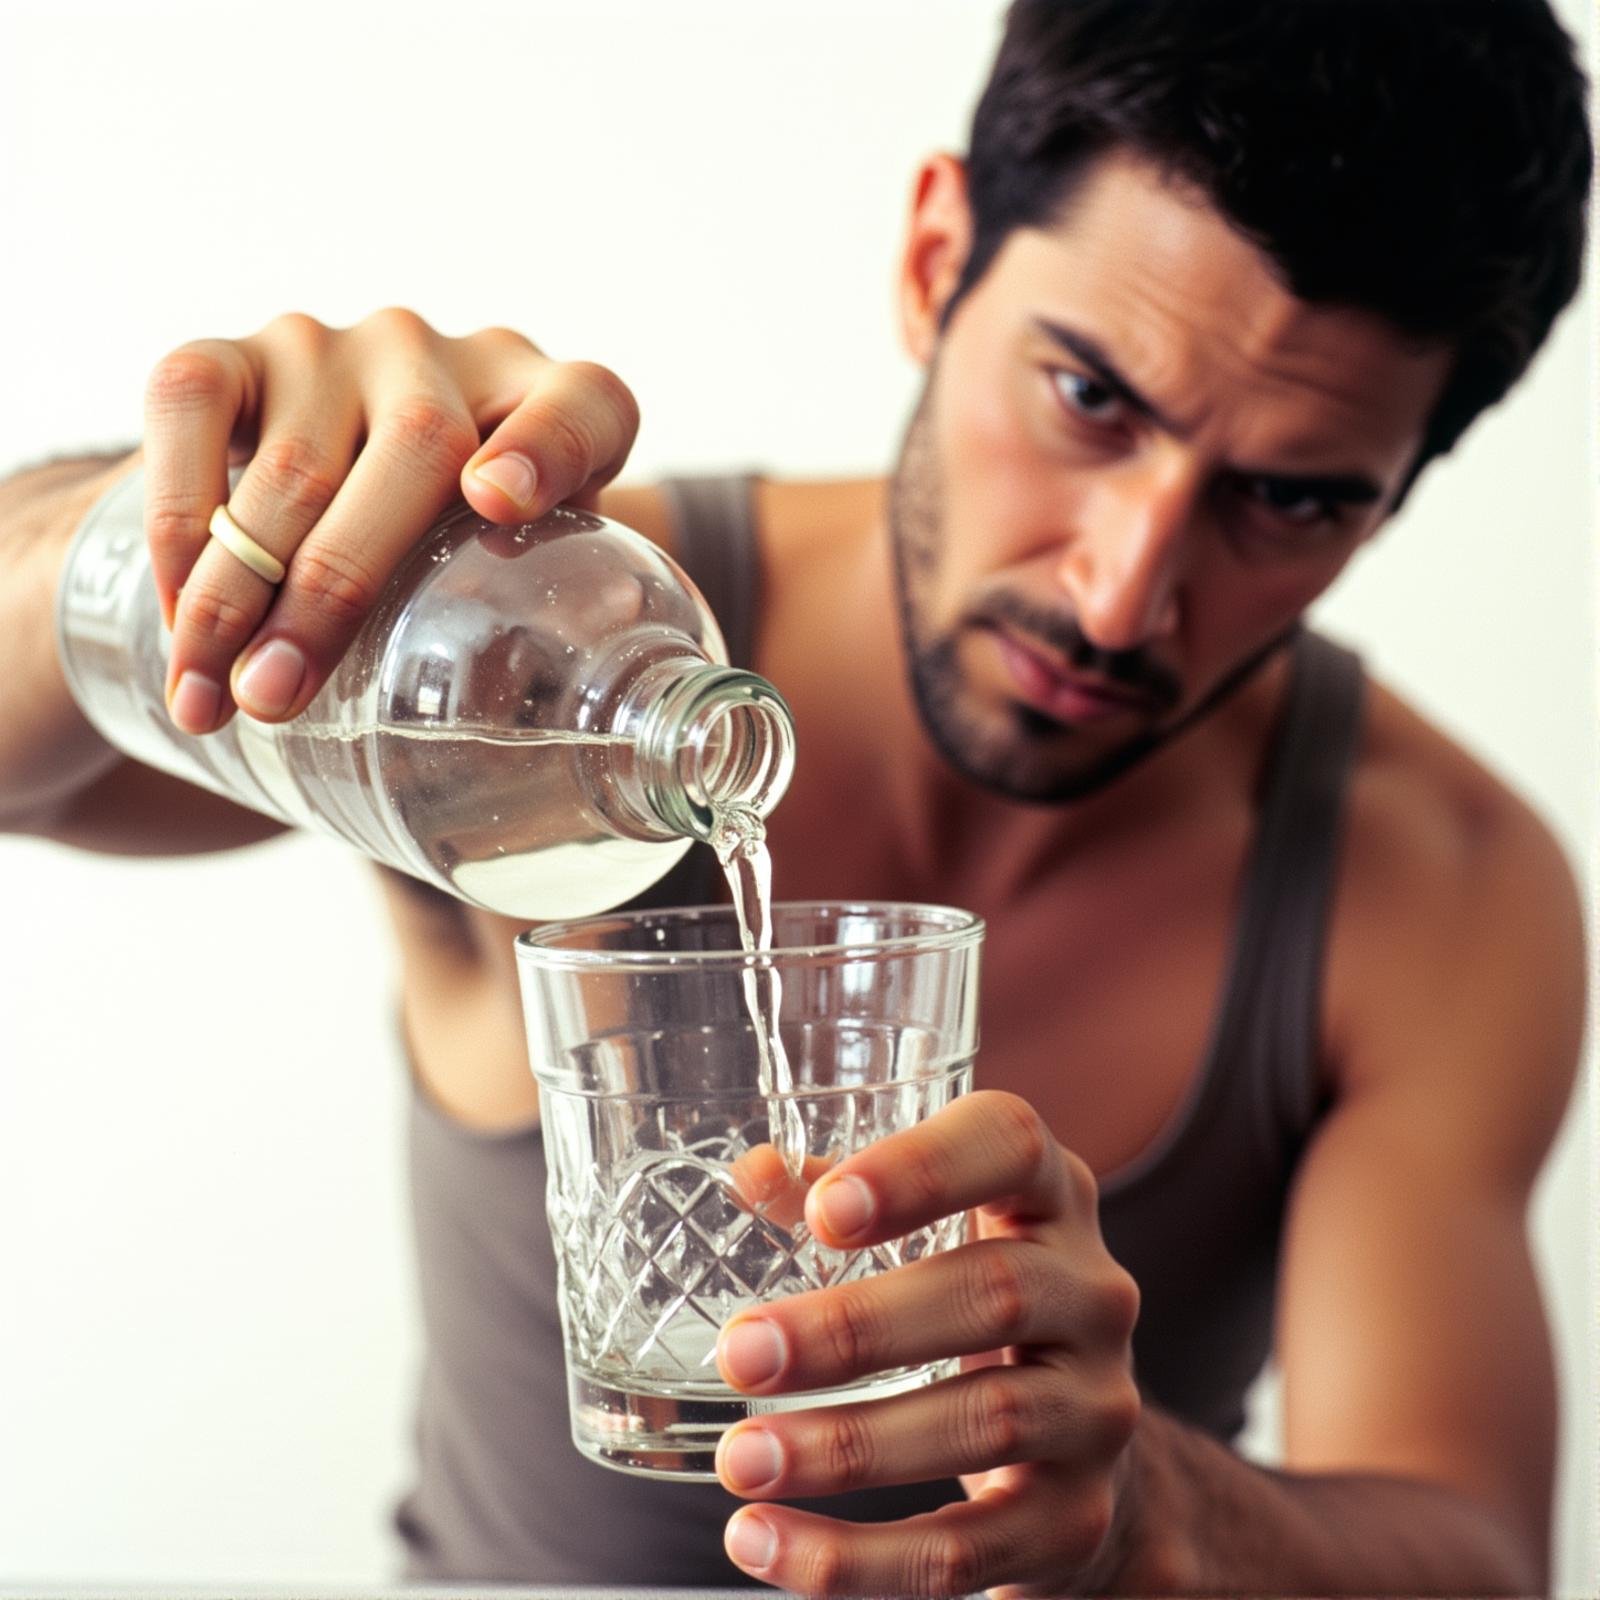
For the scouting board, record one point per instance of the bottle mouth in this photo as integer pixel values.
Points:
(722, 740)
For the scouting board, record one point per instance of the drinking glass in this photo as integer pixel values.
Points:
(669, 1203)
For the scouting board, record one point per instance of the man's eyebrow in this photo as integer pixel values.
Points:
(1338, 488)
(1086, 350)
(1352, 488)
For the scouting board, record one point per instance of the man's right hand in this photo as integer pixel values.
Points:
(358, 439)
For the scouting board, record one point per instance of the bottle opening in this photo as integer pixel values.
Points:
(720, 739)
(737, 757)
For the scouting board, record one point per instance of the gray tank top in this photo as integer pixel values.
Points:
(500, 1491)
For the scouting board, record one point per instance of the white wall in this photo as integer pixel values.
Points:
(206, 1330)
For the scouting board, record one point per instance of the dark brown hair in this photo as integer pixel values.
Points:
(1425, 160)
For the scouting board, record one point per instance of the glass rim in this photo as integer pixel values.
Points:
(953, 929)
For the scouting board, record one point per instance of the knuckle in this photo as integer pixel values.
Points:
(210, 617)
(334, 585)
(188, 378)
(399, 323)
(1082, 1189)
(847, 1452)
(947, 1562)
(562, 440)
(438, 434)
(300, 330)
(826, 1568)
(297, 472)
(992, 1422)
(1120, 1302)
(924, 1180)
(171, 527)
(1165, 1566)
(1117, 1416)
(612, 391)
(1022, 1129)
(849, 1329)
(499, 337)
(999, 1294)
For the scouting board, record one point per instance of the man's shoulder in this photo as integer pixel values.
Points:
(805, 517)
(799, 516)
(1457, 905)
(1428, 816)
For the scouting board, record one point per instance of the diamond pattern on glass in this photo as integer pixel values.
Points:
(656, 1252)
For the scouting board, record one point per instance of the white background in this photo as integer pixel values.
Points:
(207, 1335)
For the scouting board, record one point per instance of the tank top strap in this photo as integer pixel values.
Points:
(716, 527)
(1270, 1024)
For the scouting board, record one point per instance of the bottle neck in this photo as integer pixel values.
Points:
(704, 739)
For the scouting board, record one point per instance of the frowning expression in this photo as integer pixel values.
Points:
(1136, 460)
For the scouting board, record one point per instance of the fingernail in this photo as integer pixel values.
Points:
(752, 1352)
(194, 702)
(270, 679)
(751, 1542)
(750, 1458)
(846, 1205)
(512, 475)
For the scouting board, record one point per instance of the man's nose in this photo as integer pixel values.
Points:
(1122, 561)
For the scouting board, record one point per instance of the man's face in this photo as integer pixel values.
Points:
(1135, 461)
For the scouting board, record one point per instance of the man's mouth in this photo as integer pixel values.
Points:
(1046, 683)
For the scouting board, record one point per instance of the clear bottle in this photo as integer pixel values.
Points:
(537, 719)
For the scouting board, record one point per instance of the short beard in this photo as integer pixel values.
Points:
(1022, 766)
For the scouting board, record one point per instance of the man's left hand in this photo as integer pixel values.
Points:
(1038, 1423)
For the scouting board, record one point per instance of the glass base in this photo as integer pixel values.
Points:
(660, 1430)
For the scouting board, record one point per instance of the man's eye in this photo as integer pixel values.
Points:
(1087, 397)
(1291, 504)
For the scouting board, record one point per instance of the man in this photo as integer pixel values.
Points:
(1283, 992)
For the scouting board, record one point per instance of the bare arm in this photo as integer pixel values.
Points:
(1419, 1391)
(1203, 1520)
(58, 778)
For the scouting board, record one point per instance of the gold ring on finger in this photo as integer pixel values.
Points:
(237, 542)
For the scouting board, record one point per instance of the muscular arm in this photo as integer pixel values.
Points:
(1206, 1521)
(1419, 1392)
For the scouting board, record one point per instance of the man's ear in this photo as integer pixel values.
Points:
(938, 241)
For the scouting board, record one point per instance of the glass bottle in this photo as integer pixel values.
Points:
(539, 719)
